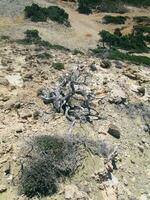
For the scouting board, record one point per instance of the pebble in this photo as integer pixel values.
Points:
(3, 188)
(125, 182)
(4, 82)
(114, 131)
(19, 130)
(141, 148)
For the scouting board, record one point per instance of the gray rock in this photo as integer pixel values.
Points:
(3, 188)
(114, 131)
(106, 64)
(93, 67)
(73, 193)
(117, 95)
(19, 130)
(141, 90)
(141, 148)
(4, 82)
(143, 197)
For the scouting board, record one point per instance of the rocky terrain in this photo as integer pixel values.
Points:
(121, 97)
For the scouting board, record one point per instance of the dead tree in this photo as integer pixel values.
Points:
(71, 97)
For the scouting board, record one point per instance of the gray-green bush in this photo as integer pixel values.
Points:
(41, 14)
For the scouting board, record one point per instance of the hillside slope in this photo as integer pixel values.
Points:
(99, 108)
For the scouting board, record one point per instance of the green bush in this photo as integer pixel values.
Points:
(58, 66)
(32, 37)
(142, 19)
(36, 13)
(38, 179)
(51, 160)
(57, 14)
(137, 3)
(77, 51)
(86, 6)
(44, 56)
(4, 37)
(117, 55)
(39, 14)
(114, 19)
(114, 6)
(129, 42)
(142, 29)
(147, 37)
(114, 54)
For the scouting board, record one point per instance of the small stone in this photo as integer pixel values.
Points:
(125, 182)
(114, 131)
(101, 187)
(17, 105)
(19, 130)
(143, 197)
(3, 188)
(93, 67)
(26, 115)
(143, 140)
(141, 90)
(70, 191)
(141, 148)
(109, 167)
(73, 193)
(106, 64)
(28, 77)
(36, 115)
(4, 82)
(4, 98)
(119, 64)
(146, 128)
(132, 161)
(7, 168)
(117, 94)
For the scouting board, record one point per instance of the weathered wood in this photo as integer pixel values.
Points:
(71, 98)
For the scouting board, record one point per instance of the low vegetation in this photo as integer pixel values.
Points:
(4, 37)
(136, 42)
(58, 66)
(52, 159)
(137, 3)
(142, 29)
(115, 54)
(142, 19)
(114, 6)
(86, 6)
(44, 55)
(139, 60)
(107, 19)
(32, 37)
(133, 42)
(41, 14)
(77, 51)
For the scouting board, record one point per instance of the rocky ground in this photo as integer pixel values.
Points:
(122, 98)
